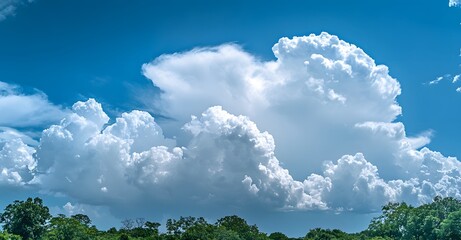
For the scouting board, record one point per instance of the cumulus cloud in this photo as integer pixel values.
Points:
(228, 159)
(320, 99)
(229, 162)
(26, 110)
(17, 163)
(309, 99)
(7, 134)
(324, 103)
(8, 7)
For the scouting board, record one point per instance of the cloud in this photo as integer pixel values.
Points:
(309, 99)
(8, 7)
(453, 79)
(436, 81)
(7, 134)
(454, 3)
(228, 162)
(456, 78)
(17, 163)
(320, 99)
(26, 110)
(312, 130)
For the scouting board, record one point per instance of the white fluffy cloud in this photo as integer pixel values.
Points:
(8, 7)
(320, 99)
(16, 163)
(26, 110)
(313, 129)
(229, 162)
(309, 99)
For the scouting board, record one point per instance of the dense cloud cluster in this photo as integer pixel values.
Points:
(323, 110)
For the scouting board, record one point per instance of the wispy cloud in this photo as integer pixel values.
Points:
(453, 79)
(9, 7)
(436, 81)
(26, 109)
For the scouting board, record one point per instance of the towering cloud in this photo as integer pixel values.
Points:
(313, 129)
(309, 99)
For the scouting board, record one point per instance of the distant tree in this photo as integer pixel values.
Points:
(140, 222)
(221, 233)
(152, 226)
(327, 234)
(82, 218)
(64, 228)
(241, 227)
(278, 236)
(112, 230)
(26, 218)
(200, 229)
(127, 224)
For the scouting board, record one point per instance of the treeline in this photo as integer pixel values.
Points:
(30, 219)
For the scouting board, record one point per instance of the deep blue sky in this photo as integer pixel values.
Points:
(75, 49)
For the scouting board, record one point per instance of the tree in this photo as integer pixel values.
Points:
(278, 236)
(178, 227)
(222, 233)
(82, 218)
(392, 223)
(327, 234)
(127, 224)
(63, 228)
(450, 228)
(26, 218)
(7, 236)
(140, 222)
(124, 237)
(241, 227)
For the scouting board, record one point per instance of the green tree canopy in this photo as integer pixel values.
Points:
(26, 218)
(64, 228)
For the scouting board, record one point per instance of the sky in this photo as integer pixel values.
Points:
(293, 115)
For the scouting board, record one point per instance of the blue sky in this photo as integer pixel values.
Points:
(55, 53)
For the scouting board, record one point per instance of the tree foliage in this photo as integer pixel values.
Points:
(26, 218)
(440, 219)
(64, 228)
(30, 219)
